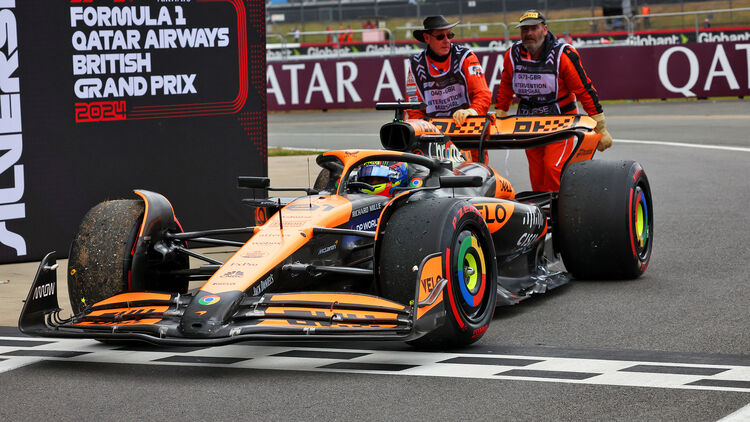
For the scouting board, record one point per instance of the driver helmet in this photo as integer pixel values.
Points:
(383, 176)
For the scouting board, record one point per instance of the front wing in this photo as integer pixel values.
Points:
(157, 317)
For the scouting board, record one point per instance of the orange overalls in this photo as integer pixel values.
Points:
(549, 85)
(446, 90)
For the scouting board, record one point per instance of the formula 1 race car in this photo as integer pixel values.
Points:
(414, 242)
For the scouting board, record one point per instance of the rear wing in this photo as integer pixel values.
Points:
(488, 132)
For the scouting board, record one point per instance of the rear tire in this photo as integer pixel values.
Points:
(454, 228)
(605, 215)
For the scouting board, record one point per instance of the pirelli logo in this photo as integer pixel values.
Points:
(542, 125)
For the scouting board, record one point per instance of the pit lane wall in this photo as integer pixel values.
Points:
(98, 97)
(618, 72)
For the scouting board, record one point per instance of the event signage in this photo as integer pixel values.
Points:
(639, 38)
(618, 72)
(99, 97)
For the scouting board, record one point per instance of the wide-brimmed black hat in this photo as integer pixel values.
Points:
(530, 18)
(432, 23)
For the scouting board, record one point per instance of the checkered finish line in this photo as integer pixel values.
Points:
(17, 352)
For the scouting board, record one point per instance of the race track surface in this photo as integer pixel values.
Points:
(671, 345)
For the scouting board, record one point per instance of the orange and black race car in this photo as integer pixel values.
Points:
(413, 242)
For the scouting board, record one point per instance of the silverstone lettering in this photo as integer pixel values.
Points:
(11, 137)
(44, 291)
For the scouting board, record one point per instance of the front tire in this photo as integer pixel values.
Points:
(454, 228)
(605, 220)
(100, 255)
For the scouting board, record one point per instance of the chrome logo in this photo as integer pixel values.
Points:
(209, 300)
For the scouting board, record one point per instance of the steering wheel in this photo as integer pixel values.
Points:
(360, 185)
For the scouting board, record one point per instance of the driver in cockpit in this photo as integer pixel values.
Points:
(385, 177)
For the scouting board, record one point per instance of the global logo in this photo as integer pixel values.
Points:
(209, 300)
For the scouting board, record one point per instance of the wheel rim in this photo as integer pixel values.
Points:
(471, 274)
(642, 220)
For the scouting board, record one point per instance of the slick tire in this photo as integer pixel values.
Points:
(455, 229)
(100, 255)
(605, 220)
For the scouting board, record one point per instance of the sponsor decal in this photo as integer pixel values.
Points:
(476, 70)
(416, 182)
(44, 291)
(492, 214)
(254, 254)
(368, 225)
(445, 151)
(466, 209)
(503, 185)
(328, 249)
(542, 125)
(429, 283)
(11, 136)
(209, 300)
(584, 152)
(479, 331)
(234, 274)
(722, 69)
(257, 290)
(239, 264)
(529, 15)
(367, 209)
(533, 219)
(527, 239)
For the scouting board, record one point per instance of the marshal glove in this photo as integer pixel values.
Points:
(460, 115)
(601, 127)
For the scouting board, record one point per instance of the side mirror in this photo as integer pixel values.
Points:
(460, 181)
(251, 182)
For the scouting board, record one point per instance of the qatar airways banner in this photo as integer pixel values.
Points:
(627, 72)
(98, 97)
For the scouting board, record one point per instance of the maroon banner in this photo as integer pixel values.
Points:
(627, 72)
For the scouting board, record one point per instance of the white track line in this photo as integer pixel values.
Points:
(682, 144)
(573, 370)
(742, 415)
(624, 141)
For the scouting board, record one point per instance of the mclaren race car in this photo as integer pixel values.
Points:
(413, 242)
